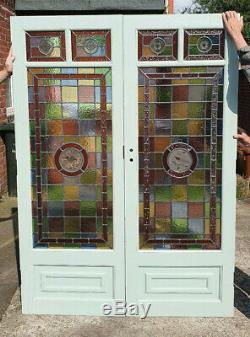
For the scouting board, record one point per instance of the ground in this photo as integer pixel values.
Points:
(14, 324)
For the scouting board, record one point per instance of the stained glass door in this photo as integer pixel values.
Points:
(180, 115)
(69, 139)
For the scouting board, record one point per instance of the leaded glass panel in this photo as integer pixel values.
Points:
(70, 113)
(180, 157)
(45, 46)
(204, 44)
(157, 45)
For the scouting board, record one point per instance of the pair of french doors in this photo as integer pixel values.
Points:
(126, 182)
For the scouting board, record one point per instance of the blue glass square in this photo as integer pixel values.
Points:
(196, 226)
(88, 127)
(55, 208)
(179, 210)
(88, 192)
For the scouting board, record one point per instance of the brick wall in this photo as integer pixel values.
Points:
(6, 10)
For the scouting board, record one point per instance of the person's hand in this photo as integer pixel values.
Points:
(243, 138)
(234, 27)
(9, 62)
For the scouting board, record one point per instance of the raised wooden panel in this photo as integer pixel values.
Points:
(83, 282)
(195, 284)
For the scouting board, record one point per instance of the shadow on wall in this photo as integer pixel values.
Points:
(242, 292)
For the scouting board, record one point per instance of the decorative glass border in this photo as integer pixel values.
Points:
(46, 35)
(41, 240)
(162, 44)
(93, 43)
(207, 44)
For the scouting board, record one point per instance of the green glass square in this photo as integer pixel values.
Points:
(98, 144)
(196, 110)
(108, 78)
(55, 41)
(179, 193)
(207, 210)
(53, 111)
(98, 224)
(43, 128)
(168, 51)
(193, 50)
(179, 226)
(218, 210)
(89, 177)
(88, 208)
(198, 69)
(72, 245)
(45, 225)
(101, 70)
(52, 71)
(110, 192)
(101, 39)
(71, 235)
(33, 160)
(180, 127)
(221, 93)
(55, 192)
(44, 160)
(209, 93)
(197, 81)
(163, 94)
(109, 144)
(207, 160)
(86, 111)
(219, 160)
(34, 225)
(219, 144)
(151, 111)
(32, 128)
(195, 193)
(162, 193)
(49, 82)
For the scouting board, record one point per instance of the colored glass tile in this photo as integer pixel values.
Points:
(157, 45)
(45, 46)
(200, 44)
(71, 157)
(91, 45)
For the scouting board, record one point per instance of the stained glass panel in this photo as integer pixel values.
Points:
(200, 44)
(45, 46)
(71, 156)
(91, 45)
(180, 151)
(157, 45)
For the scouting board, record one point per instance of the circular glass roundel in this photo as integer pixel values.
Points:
(90, 46)
(45, 46)
(157, 45)
(204, 44)
(71, 159)
(179, 160)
